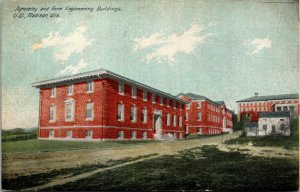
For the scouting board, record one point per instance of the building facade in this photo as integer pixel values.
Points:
(271, 123)
(251, 107)
(206, 117)
(101, 105)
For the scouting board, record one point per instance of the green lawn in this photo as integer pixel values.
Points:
(201, 169)
(35, 145)
(33, 180)
(196, 136)
(274, 141)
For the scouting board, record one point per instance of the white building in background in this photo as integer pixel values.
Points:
(273, 123)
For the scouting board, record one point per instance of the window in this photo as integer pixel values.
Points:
(121, 88)
(188, 106)
(199, 116)
(278, 108)
(285, 108)
(186, 116)
(70, 89)
(133, 92)
(69, 134)
(69, 110)
(175, 135)
(168, 102)
(180, 135)
(180, 121)
(198, 104)
(120, 134)
(88, 134)
(145, 95)
(133, 113)
(120, 112)
(168, 119)
(53, 92)
(90, 87)
(180, 106)
(174, 120)
(89, 111)
(144, 115)
(52, 113)
(133, 134)
(161, 100)
(145, 135)
(153, 98)
(51, 134)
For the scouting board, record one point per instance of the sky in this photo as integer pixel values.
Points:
(224, 50)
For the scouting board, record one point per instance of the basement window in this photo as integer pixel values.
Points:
(120, 134)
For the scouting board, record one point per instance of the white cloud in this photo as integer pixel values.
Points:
(166, 47)
(73, 69)
(74, 43)
(258, 44)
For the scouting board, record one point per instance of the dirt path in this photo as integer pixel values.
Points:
(60, 181)
(15, 165)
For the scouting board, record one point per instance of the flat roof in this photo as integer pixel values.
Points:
(270, 97)
(99, 74)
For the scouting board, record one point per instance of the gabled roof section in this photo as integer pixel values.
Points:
(274, 114)
(220, 102)
(99, 74)
(198, 97)
(271, 97)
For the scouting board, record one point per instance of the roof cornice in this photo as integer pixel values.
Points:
(99, 74)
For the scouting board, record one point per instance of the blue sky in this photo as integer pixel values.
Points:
(225, 50)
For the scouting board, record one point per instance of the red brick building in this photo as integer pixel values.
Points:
(206, 117)
(250, 107)
(100, 105)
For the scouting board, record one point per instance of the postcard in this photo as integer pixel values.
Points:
(150, 95)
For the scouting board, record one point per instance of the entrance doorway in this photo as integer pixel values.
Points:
(157, 123)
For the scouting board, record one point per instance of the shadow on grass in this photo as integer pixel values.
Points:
(205, 168)
(23, 182)
(287, 142)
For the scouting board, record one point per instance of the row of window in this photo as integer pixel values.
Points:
(89, 134)
(145, 96)
(213, 118)
(285, 108)
(70, 111)
(198, 105)
(133, 115)
(210, 131)
(213, 108)
(70, 89)
(254, 109)
(260, 103)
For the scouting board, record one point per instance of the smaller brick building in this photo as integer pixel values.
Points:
(206, 117)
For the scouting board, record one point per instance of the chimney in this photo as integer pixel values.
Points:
(256, 94)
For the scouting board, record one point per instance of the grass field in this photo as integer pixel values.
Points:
(35, 145)
(196, 136)
(32, 180)
(204, 168)
(286, 142)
